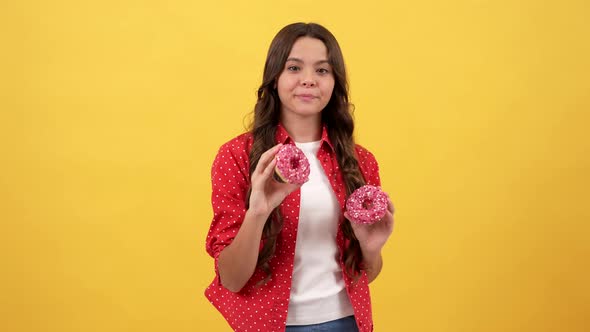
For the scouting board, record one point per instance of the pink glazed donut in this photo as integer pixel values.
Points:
(292, 165)
(366, 205)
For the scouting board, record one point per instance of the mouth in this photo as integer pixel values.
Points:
(306, 97)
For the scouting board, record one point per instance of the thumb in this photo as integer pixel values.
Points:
(290, 187)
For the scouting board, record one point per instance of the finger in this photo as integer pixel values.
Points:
(266, 157)
(289, 188)
(270, 168)
(390, 206)
(389, 221)
(353, 225)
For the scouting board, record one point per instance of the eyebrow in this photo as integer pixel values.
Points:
(299, 60)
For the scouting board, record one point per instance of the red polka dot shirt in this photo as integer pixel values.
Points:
(264, 308)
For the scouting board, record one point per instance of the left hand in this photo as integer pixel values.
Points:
(373, 237)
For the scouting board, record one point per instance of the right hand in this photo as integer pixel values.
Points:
(267, 193)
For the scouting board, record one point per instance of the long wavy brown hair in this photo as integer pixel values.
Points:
(337, 115)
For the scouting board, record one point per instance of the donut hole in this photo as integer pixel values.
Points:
(294, 163)
(367, 204)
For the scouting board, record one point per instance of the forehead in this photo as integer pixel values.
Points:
(307, 48)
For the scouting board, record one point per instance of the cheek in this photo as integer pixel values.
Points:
(328, 89)
(287, 79)
(285, 85)
(284, 90)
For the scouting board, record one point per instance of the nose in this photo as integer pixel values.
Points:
(308, 80)
(308, 83)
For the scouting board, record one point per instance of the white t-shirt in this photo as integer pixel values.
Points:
(318, 292)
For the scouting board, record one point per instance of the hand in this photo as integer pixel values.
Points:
(373, 237)
(267, 193)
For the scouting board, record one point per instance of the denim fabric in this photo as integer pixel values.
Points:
(346, 324)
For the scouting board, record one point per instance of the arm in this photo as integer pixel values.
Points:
(237, 262)
(372, 238)
(373, 262)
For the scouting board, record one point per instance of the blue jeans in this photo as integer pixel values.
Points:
(346, 324)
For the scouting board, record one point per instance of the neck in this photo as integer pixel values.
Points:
(303, 129)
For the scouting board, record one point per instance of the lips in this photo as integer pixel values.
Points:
(306, 97)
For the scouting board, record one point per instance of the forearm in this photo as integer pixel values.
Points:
(237, 262)
(372, 264)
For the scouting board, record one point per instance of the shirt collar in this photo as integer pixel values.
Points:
(282, 136)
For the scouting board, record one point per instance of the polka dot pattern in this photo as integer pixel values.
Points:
(264, 308)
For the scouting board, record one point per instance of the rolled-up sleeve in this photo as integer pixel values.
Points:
(230, 183)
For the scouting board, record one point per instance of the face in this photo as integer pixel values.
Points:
(305, 86)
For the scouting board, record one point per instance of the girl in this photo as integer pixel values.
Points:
(286, 256)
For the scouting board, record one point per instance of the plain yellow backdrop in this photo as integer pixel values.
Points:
(112, 112)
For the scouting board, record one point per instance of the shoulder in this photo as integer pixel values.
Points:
(237, 145)
(363, 155)
(234, 155)
(368, 165)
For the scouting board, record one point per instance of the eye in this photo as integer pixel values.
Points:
(293, 68)
(323, 71)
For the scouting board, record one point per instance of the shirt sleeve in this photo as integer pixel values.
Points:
(369, 166)
(230, 183)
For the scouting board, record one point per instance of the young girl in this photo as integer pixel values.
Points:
(286, 256)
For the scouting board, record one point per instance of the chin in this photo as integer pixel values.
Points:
(308, 112)
(303, 110)
(308, 109)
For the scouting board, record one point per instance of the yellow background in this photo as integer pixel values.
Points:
(111, 113)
